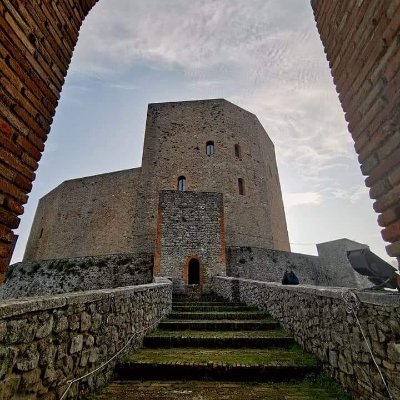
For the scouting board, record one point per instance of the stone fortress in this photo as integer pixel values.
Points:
(206, 201)
(46, 341)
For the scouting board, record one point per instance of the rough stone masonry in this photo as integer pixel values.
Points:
(46, 341)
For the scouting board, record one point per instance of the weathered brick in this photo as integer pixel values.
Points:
(3, 263)
(29, 147)
(379, 169)
(16, 164)
(387, 200)
(392, 232)
(6, 234)
(8, 219)
(390, 215)
(393, 249)
(12, 189)
(14, 206)
(5, 129)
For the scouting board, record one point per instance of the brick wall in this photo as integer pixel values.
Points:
(36, 44)
(190, 225)
(361, 44)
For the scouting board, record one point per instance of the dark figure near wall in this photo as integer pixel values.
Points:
(290, 278)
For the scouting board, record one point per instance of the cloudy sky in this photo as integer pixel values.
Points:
(263, 55)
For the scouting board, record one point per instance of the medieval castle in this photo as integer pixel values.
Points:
(206, 201)
(209, 179)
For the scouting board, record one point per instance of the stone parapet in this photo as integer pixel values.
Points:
(46, 341)
(39, 278)
(317, 318)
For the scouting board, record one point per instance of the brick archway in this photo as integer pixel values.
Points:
(37, 41)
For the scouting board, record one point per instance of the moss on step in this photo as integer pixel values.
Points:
(319, 389)
(216, 321)
(293, 356)
(221, 334)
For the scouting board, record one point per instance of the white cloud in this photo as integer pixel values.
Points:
(266, 56)
(122, 86)
(302, 199)
(352, 195)
(246, 35)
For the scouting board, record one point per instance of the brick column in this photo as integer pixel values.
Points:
(361, 40)
(37, 38)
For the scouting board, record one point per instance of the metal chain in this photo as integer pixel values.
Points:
(352, 305)
(72, 381)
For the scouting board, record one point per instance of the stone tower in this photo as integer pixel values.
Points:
(205, 146)
(212, 146)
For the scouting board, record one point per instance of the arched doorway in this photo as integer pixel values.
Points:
(194, 272)
(35, 67)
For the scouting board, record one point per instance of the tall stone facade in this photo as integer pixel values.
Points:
(190, 242)
(215, 146)
(175, 146)
(85, 217)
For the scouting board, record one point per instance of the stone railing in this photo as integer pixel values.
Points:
(65, 275)
(47, 341)
(318, 320)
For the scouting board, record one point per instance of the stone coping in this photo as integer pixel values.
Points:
(370, 297)
(12, 307)
(77, 258)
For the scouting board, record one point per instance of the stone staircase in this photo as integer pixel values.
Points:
(212, 349)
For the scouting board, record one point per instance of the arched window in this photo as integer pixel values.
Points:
(238, 152)
(193, 272)
(241, 186)
(182, 183)
(210, 148)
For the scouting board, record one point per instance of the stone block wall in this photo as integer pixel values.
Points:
(46, 341)
(333, 258)
(175, 145)
(38, 278)
(190, 225)
(270, 265)
(85, 217)
(361, 41)
(318, 320)
(330, 268)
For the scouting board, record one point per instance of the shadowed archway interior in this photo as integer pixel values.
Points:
(194, 272)
(37, 43)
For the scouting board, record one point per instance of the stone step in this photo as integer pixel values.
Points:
(196, 390)
(189, 308)
(218, 325)
(247, 315)
(204, 341)
(205, 303)
(219, 364)
(205, 298)
(256, 341)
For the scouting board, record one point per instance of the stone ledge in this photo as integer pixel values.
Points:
(10, 308)
(384, 299)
